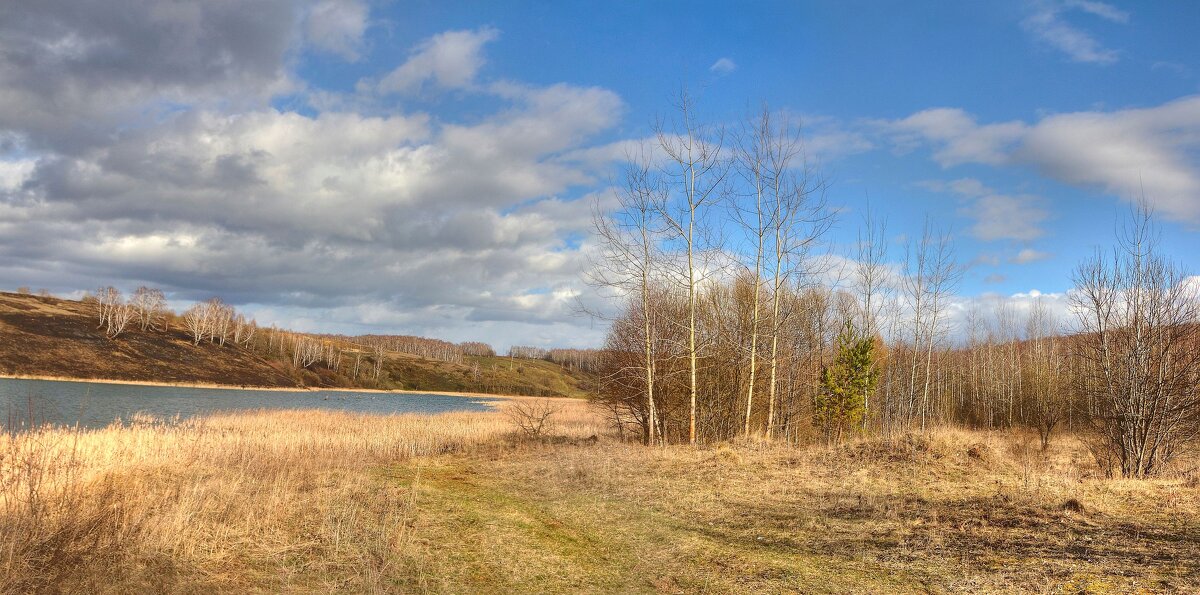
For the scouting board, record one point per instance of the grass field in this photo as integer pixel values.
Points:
(316, 502)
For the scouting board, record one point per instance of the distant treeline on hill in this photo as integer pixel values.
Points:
(358, 357)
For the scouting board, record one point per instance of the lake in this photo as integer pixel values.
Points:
(95, 405)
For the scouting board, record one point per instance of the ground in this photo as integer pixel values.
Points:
(619, 518)
(318, 501)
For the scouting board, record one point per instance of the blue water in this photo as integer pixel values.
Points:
(95, 405)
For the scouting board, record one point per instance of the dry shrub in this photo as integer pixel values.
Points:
(907, 448)
(532, 417)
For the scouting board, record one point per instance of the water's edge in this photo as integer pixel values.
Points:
(28, 402)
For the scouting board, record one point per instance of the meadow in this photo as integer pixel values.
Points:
(306, 501)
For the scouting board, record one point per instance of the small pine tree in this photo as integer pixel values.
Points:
(845, 384)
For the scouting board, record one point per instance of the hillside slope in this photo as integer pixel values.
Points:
(47, 336)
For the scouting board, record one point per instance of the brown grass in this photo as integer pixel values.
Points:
(268, 500)
(319, 501)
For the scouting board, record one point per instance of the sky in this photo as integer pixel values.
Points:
(431, 168)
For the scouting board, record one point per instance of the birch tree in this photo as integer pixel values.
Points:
(628, 261)
(149, 304)
(695, 171)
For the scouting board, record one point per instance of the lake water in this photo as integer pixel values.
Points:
(95, 405)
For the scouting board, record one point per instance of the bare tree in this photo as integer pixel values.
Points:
(1044, 375)
(378, 351)
(931, 274)
(628, 260)
(532, 416)
(149, 305)
(195, 321)
(107, 299)
(1138, 351)
(782, 212)
(695, 171)
(119, 318)
(872, 283)
(243, 330)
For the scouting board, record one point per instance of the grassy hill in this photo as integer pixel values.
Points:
(47, 336)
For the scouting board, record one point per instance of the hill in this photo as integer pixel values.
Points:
(48, 336)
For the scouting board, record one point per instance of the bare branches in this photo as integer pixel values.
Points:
(533, 417)
(1139, 350)
(150, 305)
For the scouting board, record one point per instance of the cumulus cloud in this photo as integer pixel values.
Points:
(723, 66)
(1048, 24)
(138, 144)
(337, 26)
(70, 71)
(448, 60)
(1128, 153)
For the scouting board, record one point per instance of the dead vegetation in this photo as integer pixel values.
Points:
(319, 501)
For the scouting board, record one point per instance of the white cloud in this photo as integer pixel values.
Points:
(337, 220)
(448, 60)
(14, 173)
(959, 139)
(1028, 255)
(996, 216)
(1004, 217)
(1048, 25)
(1127, 153)
(723, 66)
(337, 26)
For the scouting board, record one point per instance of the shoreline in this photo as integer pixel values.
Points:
(298, 389)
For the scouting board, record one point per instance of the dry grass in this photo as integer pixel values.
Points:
(267, 501)
(316, 502)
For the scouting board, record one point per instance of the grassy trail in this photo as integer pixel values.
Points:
(621, 519)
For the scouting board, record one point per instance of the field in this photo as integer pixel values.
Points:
(315, 502)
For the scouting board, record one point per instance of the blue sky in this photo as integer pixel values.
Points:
(426, 167)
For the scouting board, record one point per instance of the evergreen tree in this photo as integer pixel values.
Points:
(845, 384)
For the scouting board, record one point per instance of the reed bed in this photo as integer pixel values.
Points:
(296, 500)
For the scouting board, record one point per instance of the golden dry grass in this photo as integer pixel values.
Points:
(319, 502)
(268, 501)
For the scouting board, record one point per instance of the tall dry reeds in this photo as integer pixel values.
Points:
(226, 501)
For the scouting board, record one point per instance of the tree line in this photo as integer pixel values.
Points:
(735, 321)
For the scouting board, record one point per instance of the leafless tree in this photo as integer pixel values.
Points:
(119, 318)
(695, 172)
(195, 321)
(533, 417)
(1138, 350)
(1045, 386)
(628, 260)
(378, 351)
(930, 276)
(872, 281)
(243, 329)
(107, 299)
(149, 304)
